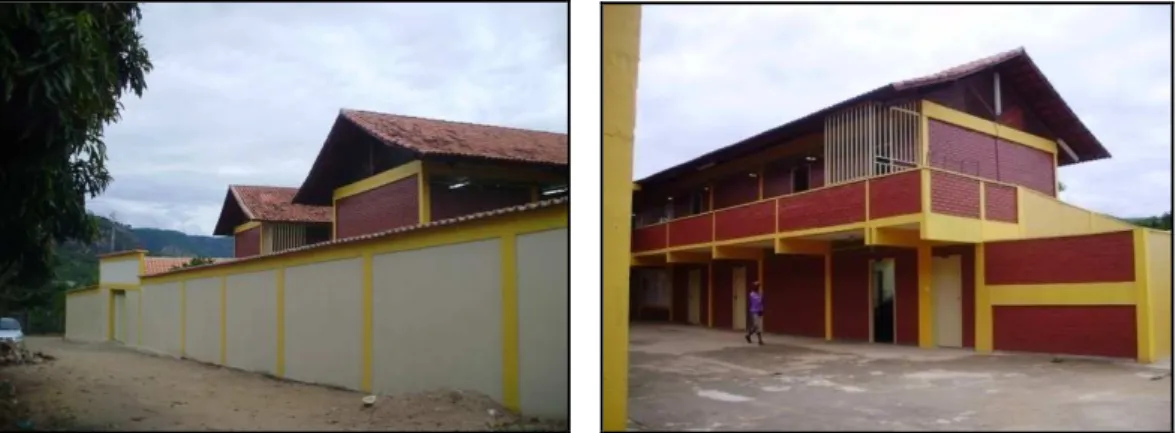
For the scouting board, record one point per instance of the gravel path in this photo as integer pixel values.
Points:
(108, 387)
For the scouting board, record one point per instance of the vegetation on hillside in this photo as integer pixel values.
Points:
(64, 68)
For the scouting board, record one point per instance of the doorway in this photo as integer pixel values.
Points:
(800, 178)
(947, 288)
(739, 289)
(882, 305)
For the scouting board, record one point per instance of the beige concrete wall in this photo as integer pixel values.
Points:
(120, 315)
(125, 271)
(437, 319)
(324, 323)
(252, 321)
(85, 316)
(161, 318)
(131, 319)
(542, 262)
(1159, 245)
(202, 320)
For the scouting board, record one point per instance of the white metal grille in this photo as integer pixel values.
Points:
(871, 140)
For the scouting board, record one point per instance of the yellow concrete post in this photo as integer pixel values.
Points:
(621, 34)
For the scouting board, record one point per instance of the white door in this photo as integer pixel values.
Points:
(694, 313)
(120, 308)
(947, 293)
(739, 288)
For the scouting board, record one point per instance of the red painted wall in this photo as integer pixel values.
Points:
(445, 203)
(967, 255)
(842, 204)
(777, 181)
(692, 230)
(723, 295)
(897, 194)
(816, 175)
(247, 243)
(648, 238)
(747, 220)
(1095, 330)
(735, 190)
(965, 151)
(906, 293)
(794, 295)
(955, 195)
(1106, 257)
(851, 296)
(384, 208)
(1000, 203)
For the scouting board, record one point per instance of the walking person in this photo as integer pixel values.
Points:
(755, 306)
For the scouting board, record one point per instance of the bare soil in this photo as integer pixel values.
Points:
(110, 387)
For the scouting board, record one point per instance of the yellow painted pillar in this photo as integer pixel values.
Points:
(1145, 338)
(983, 342)
(620, 45)
(926, 306)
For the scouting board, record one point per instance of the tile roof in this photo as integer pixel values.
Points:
(393, 232)
(160, 265)
(442, 137)
(274, 203)
(959, 71)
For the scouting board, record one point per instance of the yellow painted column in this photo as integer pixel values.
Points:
(926, 304)
(983, 342)
(510, 323)
(367, 333)
(281, 355)
(1145, 338)
(620, 45)
(828, 296)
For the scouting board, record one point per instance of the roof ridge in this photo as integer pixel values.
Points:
(458, 122)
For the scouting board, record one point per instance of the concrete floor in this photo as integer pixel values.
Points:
(691, 378)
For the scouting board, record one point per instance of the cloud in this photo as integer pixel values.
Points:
(246, 93)
(711, 76)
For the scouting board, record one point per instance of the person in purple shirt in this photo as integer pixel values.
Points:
(756, 307)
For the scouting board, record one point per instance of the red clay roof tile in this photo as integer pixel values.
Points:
(274, 203)
(443, 137)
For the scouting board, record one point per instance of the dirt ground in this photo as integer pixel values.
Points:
(690, 378)
(109, 387)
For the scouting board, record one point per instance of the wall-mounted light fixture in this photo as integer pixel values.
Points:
(753, 174)
(555, 190)
(810, 158)
(459, 184)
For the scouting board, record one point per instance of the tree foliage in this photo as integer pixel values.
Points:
(63, 70)
(196, 261)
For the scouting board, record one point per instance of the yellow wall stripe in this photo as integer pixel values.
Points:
(184, 318)
(281, 355)
(224, 319)
(247, 226)
(1063, 294)
(1145, 341)
(983, 341)
(366, 381)
(510, 324)
(424, 203)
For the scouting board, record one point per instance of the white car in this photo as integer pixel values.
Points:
(10, 331)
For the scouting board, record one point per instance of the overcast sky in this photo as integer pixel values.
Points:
(713, 75)
(246, 93)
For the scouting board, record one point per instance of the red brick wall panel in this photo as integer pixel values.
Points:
(747, 220)
(897, 194)
(736, 190)
(1090, 330)
(794, 295)
(955, 195)
(247, 243)
(843, 204)
(445, 203)
(1106, 257)
(383, 208)
(649, 238)
(1026, 166)
(906, 294)
(723, 292)
(962, 150)
(691, 230)
(851, 296)
(967, 255)
(1000, 203)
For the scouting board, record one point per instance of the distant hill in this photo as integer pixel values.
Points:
(173, 243)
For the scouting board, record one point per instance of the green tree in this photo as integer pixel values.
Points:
(196, 261)
(63, 69)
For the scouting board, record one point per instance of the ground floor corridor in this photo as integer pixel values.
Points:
(693, 378)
